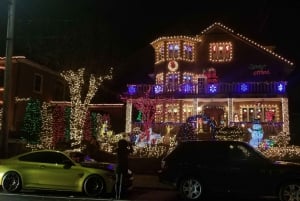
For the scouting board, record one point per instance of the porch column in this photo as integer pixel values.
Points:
(230, 110)
(128, 123)
(285, 116)
(195, 106)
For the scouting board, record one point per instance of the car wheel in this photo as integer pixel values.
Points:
(11, 182)
(290, 191)
(94, 186)
(190, 188)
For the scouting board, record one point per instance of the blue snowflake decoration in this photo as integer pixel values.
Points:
(212, 88)
(280, 87)
(158, 89)
(132, 89)
(244, 87)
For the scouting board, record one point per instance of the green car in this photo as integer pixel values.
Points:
(55, 170)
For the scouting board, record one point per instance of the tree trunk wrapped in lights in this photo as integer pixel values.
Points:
(79, 108)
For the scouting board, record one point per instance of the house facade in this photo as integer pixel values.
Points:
(218, 73)
(29, 80)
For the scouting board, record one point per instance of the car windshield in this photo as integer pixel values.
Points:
(80, 157)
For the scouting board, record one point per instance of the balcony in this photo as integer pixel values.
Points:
(209, 90)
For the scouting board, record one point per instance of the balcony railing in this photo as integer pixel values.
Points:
(244, 89)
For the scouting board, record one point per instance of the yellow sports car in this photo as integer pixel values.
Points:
(55, 170)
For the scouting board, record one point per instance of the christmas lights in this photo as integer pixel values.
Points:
(79, 108)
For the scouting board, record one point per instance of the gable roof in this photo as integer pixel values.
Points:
(218, 25)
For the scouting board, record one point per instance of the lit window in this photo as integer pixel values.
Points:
(161, 53)
(173, 50)
(188, 52)
(220, 52)
(160, 78)
(172, 81)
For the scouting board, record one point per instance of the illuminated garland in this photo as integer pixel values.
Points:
(58, 125)
(47, 131)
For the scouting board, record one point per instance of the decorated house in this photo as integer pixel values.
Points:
(218, 74)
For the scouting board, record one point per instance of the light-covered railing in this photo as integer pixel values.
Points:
(239, 89)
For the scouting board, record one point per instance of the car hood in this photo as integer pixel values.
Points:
(288, 164)
(99, 165)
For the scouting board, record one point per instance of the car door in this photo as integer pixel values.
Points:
(248, 172)
(56, 174)
(47, 170)
(213, 167)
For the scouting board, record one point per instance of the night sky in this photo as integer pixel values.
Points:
(97, 34)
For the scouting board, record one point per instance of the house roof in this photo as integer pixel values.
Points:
(218, 25)
(267, 49)
(23, 59)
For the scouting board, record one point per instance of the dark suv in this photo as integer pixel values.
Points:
(200, 168)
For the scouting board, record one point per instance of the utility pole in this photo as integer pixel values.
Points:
(7, 76)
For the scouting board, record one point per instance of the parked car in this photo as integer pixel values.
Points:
(204, 168)
(55, 170)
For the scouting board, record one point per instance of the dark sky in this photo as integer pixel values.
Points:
(117, 33)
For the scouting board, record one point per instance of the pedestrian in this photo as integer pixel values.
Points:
(213, 127)
(123, 150)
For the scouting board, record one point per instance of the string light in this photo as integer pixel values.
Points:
(79, 108)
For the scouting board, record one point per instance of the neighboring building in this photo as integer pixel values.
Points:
(218, 73)
(32, 80)
(29, 80)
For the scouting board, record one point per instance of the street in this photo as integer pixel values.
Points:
(134, 195)
(145, 188)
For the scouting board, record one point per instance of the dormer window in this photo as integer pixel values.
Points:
(220, 52)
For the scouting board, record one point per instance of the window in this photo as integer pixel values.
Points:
(188, 52)
(45, 157)
(159, 116)
(59, 91)
(172, 81)
(173, 50)
(160, 78)
(38, 83)
(238, 152)
(160, 52)
(220, 52)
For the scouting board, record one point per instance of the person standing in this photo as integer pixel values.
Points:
(213, 127)
(123, 150)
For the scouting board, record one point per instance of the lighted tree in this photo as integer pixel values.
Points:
(32, 122)
(147, 106)
(79, 104)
